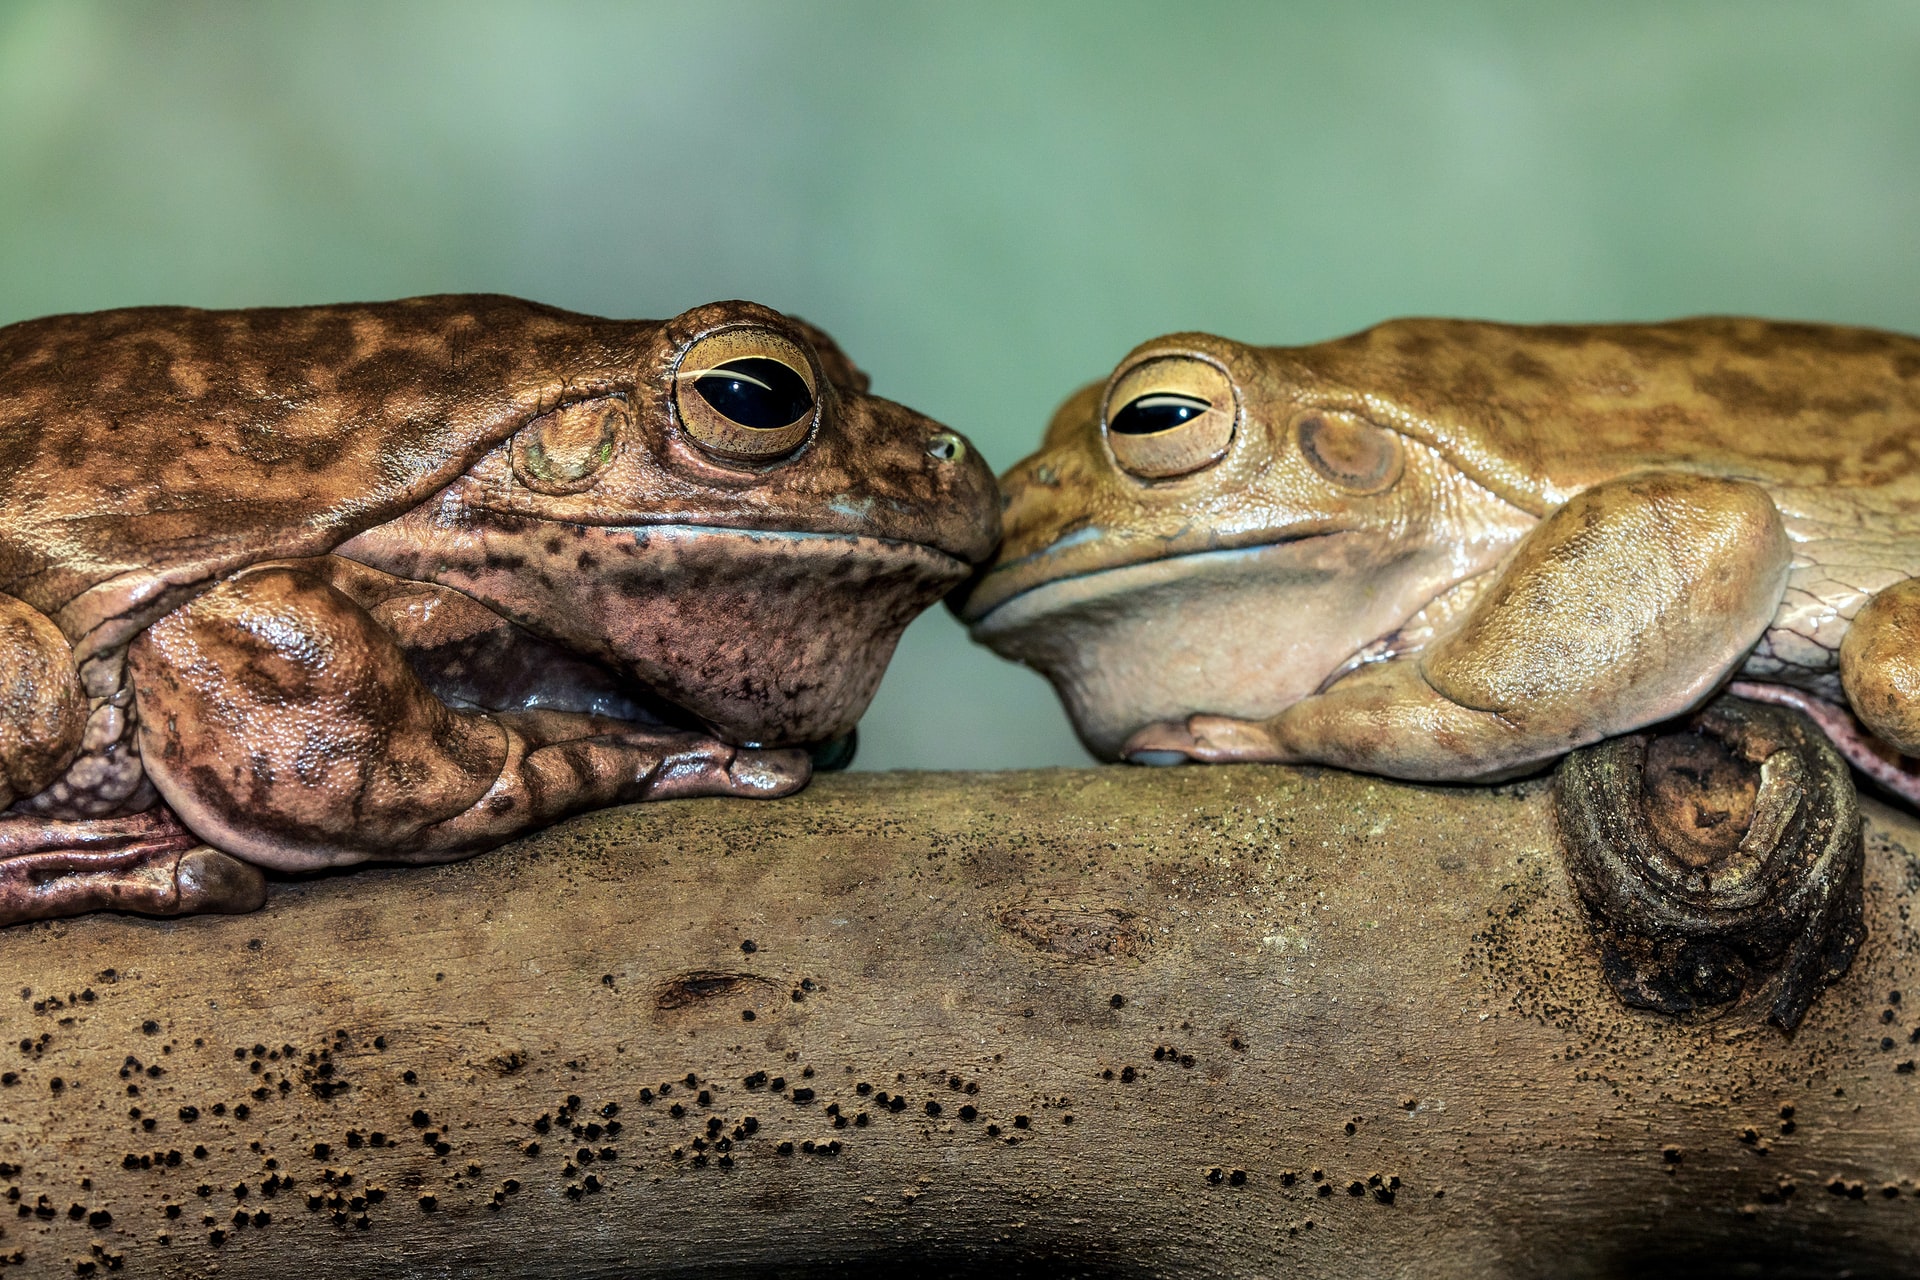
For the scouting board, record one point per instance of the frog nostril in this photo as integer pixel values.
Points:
(946, 447)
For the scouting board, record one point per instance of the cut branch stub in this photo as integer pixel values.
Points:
(1718, 860)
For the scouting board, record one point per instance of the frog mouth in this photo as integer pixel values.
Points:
(1085, 563)
(1108, 587)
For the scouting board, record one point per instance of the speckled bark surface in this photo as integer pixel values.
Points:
(1230, 1021)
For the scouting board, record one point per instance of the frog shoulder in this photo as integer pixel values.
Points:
(1539, 412)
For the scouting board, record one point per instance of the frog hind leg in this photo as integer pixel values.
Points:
(282, 723)
(146, 863)
(1625, 606)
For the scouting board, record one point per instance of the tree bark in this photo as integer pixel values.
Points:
(1242, 1021)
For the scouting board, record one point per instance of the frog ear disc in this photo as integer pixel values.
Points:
(561, 452)
(746, 395)
(1350, 451)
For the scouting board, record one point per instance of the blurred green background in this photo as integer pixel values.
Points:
(986, 203)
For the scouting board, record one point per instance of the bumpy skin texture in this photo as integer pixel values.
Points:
(1450, 549)
(401, 580)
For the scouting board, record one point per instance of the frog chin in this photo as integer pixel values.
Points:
(1243, 633)
(770, 639)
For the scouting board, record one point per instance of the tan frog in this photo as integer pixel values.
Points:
(303, 587)
(1445, 549)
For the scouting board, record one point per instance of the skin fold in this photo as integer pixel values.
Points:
(303, 587)
(1444, 549)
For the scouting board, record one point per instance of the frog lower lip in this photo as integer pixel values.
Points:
(992, 594)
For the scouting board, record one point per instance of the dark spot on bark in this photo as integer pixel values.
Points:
(696, 985)
(1077, 933)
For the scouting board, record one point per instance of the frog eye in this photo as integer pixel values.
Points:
(1350, 451)
(1152, 414)
(1172, 416)
(755, 392)
(746, 395)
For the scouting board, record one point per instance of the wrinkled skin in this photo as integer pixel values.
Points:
(1456, 550)
(304, 587)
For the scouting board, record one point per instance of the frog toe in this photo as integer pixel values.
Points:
(709, 767)
(1157, 758)
(214, 883)
(1161, 744)
(767, 774)
(1204, 739)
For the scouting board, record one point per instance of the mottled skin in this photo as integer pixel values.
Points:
(302, 587)
(1447, 549)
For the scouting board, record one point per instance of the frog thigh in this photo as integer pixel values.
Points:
(284, 726)
(1625, 606)
(1880, 665)
(43, 711)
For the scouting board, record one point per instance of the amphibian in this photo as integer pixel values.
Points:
(295, 588)
(1444, 549)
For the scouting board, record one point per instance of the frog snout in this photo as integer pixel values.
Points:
(966, 495)
(981, 492)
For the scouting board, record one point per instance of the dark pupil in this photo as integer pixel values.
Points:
(1161, 411)
(756, 392)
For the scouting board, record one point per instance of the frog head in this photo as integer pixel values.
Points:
(739, 526)
(1216, 528)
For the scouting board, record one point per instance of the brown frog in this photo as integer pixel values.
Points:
(297, 588)
(1445, 549)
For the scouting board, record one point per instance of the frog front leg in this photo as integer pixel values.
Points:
(1627, 605)
(283, 725)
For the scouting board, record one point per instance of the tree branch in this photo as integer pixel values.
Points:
(1227, 1021)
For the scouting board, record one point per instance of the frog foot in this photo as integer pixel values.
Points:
(1207, 739)
(146, 863)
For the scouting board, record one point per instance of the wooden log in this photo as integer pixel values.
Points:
(1230, 1021)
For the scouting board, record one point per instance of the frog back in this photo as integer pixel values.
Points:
(146, 452)
(1537, 413)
